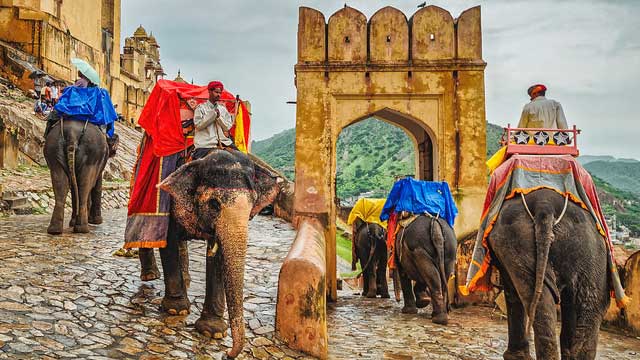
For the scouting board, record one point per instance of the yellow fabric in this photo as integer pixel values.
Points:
(368, 210)
(497, 159)
(239, 135)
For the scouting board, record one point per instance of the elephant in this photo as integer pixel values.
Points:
(371, 250)
(547, 255)
(213, 199)
(425, 252)
(76, 156)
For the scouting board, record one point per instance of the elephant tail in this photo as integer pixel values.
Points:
(543, 227)
(71, 146)
(437, 238)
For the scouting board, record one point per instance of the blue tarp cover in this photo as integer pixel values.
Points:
(92, 103)
(419, 197)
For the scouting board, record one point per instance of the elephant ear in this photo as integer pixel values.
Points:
(182, 185)
(267, 186)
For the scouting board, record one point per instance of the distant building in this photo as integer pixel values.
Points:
(46, 34)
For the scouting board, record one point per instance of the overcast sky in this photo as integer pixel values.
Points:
(586, 52)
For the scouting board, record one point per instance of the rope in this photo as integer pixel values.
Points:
(564, 209)
(526, 207)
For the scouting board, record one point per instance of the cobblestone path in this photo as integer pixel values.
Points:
(375, 329)
(67, 296)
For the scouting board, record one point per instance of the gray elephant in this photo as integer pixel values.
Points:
(76, 157)
(214, 199)
(425, 252)
(370, 249)
(543, 262)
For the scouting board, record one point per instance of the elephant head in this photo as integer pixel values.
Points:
(214, 200)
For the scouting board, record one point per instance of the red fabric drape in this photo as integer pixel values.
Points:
(160, 117)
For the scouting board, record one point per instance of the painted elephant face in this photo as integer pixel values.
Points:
(202, 188)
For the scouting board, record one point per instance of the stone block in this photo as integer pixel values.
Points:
(301, 307)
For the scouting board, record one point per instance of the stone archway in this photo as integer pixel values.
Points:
(425, 74)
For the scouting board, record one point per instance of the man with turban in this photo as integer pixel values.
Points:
(212, 122)
(541, 112)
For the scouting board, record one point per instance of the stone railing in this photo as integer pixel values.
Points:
(301, 310)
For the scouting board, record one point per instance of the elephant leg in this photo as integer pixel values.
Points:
(587, 325)
(422, 297)
(84, 191)
(368, 273)
(431, 276)
(211, 322)
(148, 267)
(518, 346)
(95, 211)
(381, 275)
(407, 294)
(183, 252)
(568, 331)
(175, 301)
(60, 183)
(544, 328)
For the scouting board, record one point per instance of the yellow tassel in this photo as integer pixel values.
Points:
(463, 290)
(622, 303)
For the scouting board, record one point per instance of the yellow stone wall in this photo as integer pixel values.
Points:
(425, 75)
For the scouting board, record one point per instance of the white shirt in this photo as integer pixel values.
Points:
(209, 128)
(54, 92)
(543, 113)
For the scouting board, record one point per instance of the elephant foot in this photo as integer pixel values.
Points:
(409, 310)
(81, 229)
(150, 274)
(385, 295)
(422, 300)
(441, 318)
(522, 354)
(175, 306)
(211, 326)
(72, 222)
(54, 229)
(95, 220)
(371, 294)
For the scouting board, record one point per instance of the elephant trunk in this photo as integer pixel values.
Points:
(543, 225)
(232, 233)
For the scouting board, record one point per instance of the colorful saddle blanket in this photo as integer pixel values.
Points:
(524, 174)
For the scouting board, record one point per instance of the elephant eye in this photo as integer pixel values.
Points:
(214, 204)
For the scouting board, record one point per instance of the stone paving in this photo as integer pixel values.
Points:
(68, 297)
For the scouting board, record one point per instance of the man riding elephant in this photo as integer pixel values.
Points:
(76, 151)
(211, 198)
(543, 228)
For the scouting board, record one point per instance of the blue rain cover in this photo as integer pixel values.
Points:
(92, 103)
(419, 197)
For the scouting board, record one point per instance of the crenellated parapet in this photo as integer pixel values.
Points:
(430, 37)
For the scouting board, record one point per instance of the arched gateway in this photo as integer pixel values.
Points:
(425, 74)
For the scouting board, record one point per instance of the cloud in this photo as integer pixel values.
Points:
(586, 52)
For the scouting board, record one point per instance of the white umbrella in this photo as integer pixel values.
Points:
(87, 70)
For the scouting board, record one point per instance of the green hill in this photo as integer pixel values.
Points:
(371, 152)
